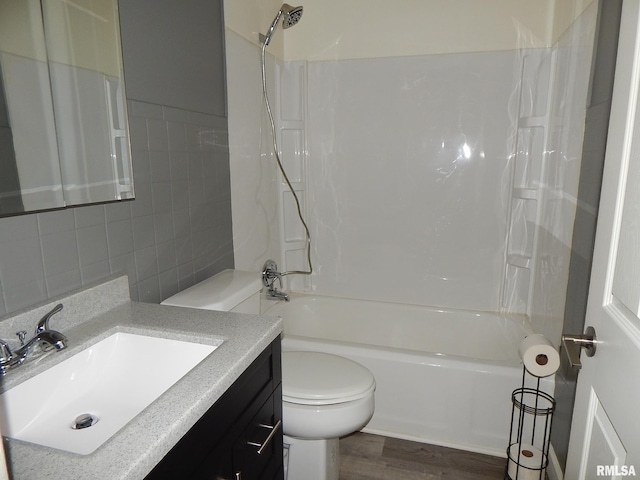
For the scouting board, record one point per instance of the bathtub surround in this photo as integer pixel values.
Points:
(445, 179)
(178, 229)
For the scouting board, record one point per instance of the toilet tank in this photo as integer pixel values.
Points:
(229, 291)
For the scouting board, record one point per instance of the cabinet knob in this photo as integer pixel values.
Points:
(265, 444)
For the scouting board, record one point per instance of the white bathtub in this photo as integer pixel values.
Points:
(443, 376)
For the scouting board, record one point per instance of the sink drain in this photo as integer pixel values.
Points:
(85, 420)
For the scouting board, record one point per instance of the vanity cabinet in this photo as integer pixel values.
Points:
(240, 436)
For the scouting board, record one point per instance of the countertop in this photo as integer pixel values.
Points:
(142, 443)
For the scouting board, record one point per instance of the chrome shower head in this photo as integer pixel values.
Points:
(290, 16)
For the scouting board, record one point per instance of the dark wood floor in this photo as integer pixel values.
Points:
(372, 457)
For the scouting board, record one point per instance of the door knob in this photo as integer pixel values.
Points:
(573, 343)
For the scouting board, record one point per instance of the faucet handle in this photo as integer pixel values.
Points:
(22, 334)
(5, 352)
(270, 273)
(43, 324)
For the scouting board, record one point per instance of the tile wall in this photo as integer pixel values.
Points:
(176, 232)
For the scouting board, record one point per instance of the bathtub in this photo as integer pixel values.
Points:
(443, 377)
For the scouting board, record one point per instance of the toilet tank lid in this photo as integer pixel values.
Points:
(222, 292)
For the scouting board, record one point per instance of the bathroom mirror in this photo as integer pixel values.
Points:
(64, 136)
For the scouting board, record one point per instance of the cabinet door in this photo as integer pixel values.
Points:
(258, 451)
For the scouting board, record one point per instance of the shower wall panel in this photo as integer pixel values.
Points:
(409, 161)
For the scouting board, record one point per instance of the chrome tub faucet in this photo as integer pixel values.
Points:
(270, 274)
(46, 338)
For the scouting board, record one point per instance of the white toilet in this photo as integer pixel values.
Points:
(324, 396)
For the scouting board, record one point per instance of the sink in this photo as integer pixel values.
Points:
(78, 404)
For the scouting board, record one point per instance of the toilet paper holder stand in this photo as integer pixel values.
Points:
(529, 436)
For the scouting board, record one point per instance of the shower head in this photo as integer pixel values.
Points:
(290, 16)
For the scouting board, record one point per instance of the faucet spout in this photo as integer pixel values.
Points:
(48, 340)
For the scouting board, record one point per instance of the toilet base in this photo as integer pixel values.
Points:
(312, 459)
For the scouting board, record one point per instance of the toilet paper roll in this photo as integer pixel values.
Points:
(539, 356)
(531, 459)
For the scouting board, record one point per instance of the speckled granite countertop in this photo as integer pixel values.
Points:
(140, 445)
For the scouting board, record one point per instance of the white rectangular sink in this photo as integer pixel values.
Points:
(111, 381)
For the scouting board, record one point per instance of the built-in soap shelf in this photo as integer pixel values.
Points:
(290, 122)
(526, 191)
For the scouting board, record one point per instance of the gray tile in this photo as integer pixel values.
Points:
(143, 203)
(56, 221)
(146, 263)
(182, 223)
(21, 263)
(163, 224)
(15, 228)
(62, 283)
(158, 137)
(22, 296)
(120, 238)
(95, 272)
(166, 256)
(60, 252)
(176, 114)
(179, 166)
(161, 194)
(185, 276)
(141, 167)
(180, 195)
(160, 167)
(148, 110)
(92, 245)
(177, 136)
(138, 134)
(89, 216)
(184, 250)
(149, 290)
(117, 211)
(143, 232)
(168, 283)
(124, 264)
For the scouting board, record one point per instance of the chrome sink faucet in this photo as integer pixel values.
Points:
(270, 274)
(45, 337)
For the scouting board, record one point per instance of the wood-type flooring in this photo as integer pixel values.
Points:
(372, 457)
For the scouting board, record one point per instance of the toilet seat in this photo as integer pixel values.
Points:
(314, 378)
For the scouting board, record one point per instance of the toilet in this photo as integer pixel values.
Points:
(324, 396)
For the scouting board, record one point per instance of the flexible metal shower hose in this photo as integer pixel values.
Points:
(282, 170)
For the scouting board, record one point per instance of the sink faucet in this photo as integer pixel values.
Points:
(45, 337)
(269, 276)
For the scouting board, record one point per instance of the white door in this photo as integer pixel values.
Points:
(605, 435)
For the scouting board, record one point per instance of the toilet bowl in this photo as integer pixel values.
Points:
(324, 396)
